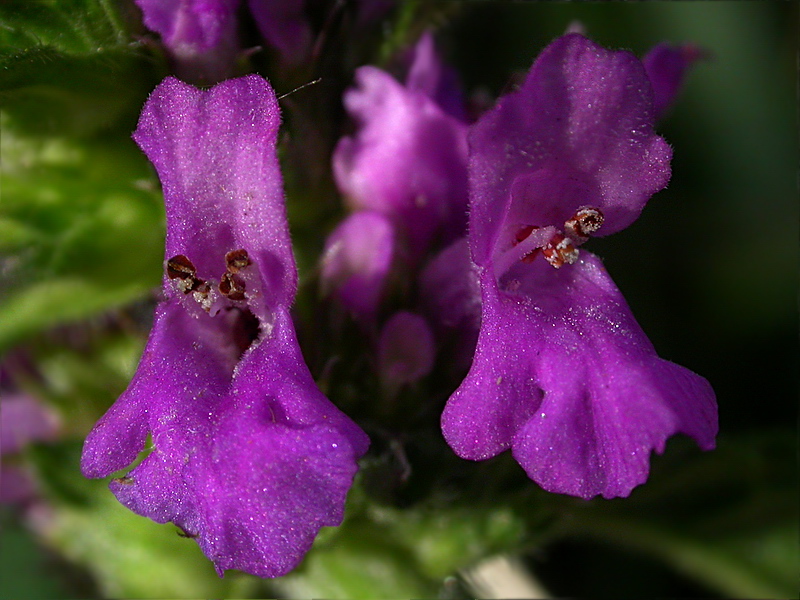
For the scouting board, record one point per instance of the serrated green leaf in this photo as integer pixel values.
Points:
(69, 26)
(68, 67)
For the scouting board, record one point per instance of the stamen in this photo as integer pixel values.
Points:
(180, 267)
(181, 270)
(232, 286)
(237, 260)
(560, 250)
(525, 241)
(202, 295)
(586, 221)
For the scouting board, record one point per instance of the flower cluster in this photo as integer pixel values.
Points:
(483, 223)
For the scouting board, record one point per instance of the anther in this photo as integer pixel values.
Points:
(232, 286)
(560, 250)
(584, 223)
(180, 267)
(201, 292)
(237, 260)
(181, 270)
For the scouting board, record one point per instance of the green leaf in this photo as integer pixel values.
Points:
(85, 232)
(23, 570)
(447, 539)
(362, 561)
(68, 66)
(133, 557)
(729, 519)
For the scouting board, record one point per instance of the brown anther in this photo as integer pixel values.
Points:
(124, 480)
(237, 260)
(232, 287)
(180, 267)
(584, 223)
(560, 250)
(201, 287)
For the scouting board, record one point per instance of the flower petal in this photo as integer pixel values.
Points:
(563, 373)
(450, 295)
(247, 455)
(215, 153)
(357, 261)
(431, 76)
(666, 67)
(283, 460)
(407, 161)
(181, 373)
(578, 133)
(406, 349)
(200, 35)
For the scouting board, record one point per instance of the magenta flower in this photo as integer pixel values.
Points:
(200, 36)
(408, 157)
(406, 350)
(666, 67)
(23, 421)
(562, 373)
(430, 75)
(357, 262)
(245, 455)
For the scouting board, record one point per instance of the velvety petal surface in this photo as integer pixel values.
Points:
(407, 159)
(284, 460)
(666, 67)
(215, 153)
(564, 375)
(579, 132)
(246, 455)
(357, 260)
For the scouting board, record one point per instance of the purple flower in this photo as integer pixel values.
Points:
(406, 350)
(407, 160)
(357, 261)
(200, 36)
(450, 295)
(431, 76)
(666, 67)
(23, 421)
(562, 373)
(245, 454)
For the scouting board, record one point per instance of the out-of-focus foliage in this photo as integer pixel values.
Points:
(81, 231)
